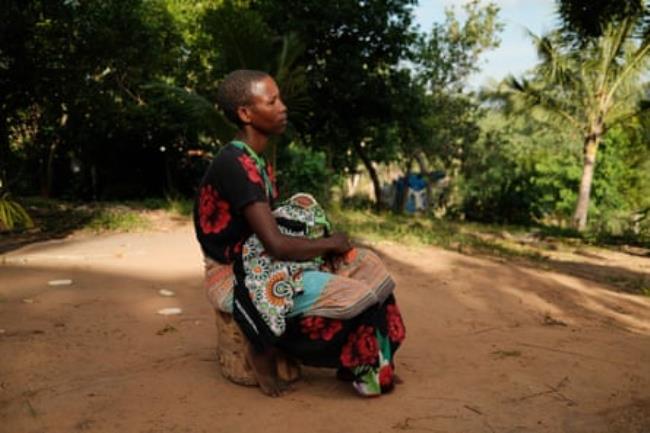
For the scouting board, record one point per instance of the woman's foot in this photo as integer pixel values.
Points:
(265, 371)
(288, 370)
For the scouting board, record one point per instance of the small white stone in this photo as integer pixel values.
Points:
(173, 311)
(165, 292)
(59, 282)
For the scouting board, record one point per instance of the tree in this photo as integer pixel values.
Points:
(352, 56)
(446, 57)
(71, 80)
(588, 82)
(450, 53)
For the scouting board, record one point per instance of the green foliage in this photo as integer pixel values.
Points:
(244, 40)
(584, 19)
(591, 86)
(73, 94)
(499, 172)
(12, 214)
(300, 169)
(424, 230)
(449, 119)
(113, 99)
(117, 219)
(352, 59)
(523, 172)
(176, 205)
(451, 52)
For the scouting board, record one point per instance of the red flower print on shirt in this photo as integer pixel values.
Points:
(251, 169)
(214, 213)
(396, 330)
(361, 348)
(320, 327)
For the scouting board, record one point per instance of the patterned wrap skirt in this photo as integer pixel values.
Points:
(347, 319)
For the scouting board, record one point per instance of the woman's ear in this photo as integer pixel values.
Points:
(244, 114)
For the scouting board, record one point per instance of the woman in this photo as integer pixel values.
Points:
(234, 210)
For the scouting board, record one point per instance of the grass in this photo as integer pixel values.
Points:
(462, 237)
(178, 206)
(59, 216)
(117, 219)
(538, 246)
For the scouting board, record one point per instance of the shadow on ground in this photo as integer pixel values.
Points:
(479, 354)
(53, 222)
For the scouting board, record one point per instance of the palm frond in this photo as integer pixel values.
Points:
(523, 95)
(191, 108)
(12, 214)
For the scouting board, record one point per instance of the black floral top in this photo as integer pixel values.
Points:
(231, 182)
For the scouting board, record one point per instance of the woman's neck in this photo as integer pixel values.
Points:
(253, 138)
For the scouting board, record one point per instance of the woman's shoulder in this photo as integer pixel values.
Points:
(227, 153)
(226, 159)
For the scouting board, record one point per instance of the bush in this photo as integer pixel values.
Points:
(300, 169)
(521, 173)
(118, 218)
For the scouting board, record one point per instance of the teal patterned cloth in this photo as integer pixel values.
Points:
(272, 283)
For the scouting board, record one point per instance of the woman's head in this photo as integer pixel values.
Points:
(250, 97)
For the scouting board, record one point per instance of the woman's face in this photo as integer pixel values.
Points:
(266, 112)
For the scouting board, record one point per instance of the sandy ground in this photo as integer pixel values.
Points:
(492, 346)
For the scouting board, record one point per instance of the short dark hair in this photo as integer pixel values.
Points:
(235, 91)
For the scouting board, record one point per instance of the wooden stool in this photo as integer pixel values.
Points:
(231, 353)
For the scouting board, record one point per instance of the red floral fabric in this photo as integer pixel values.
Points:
(251, 169)
(386, 376)
(214, 213)
(362, 348)
(396, 330)
(320, 328)
(231, 182)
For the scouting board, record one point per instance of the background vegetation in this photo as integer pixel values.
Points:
(112, 100)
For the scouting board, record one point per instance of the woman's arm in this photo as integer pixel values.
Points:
(261, 220)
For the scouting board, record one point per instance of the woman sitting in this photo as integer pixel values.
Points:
(290, 284)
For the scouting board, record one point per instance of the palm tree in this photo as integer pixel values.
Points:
(590, 87)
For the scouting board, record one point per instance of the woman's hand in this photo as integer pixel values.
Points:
(340, 243)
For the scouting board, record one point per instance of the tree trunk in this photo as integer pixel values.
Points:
(46, 187)
(590, 150)
(373, 174)
(419, 155)
(4, 151)
(169, 179)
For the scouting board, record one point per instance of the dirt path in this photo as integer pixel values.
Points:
(491, 347)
